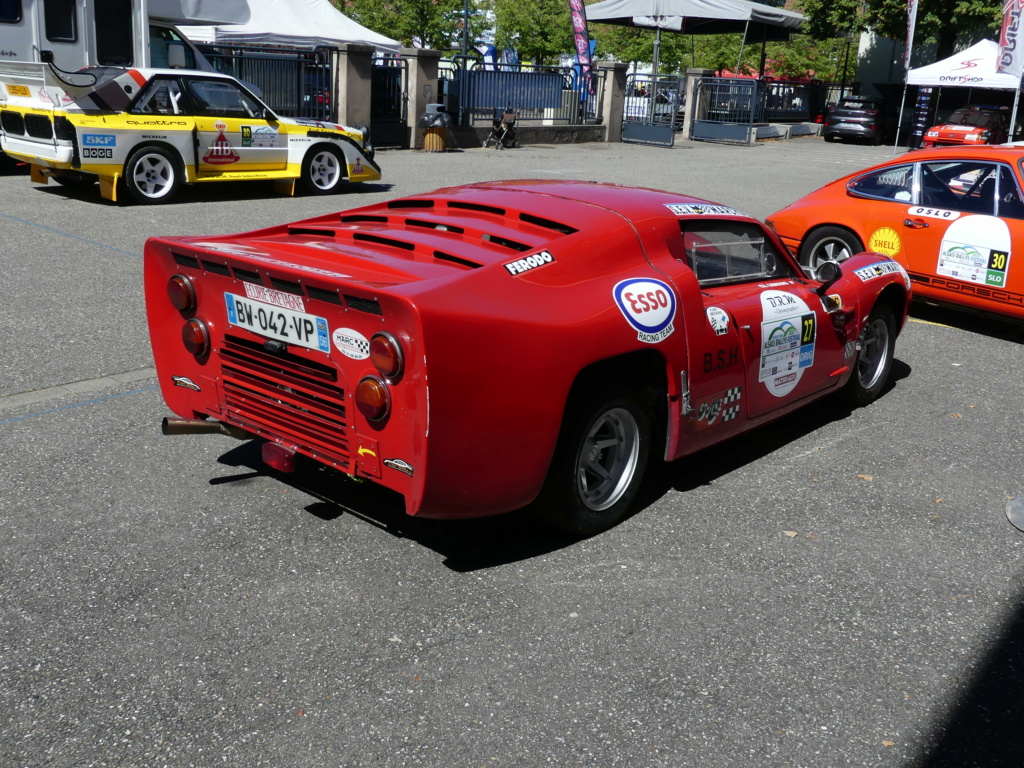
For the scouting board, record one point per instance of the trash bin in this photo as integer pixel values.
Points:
(435, 124)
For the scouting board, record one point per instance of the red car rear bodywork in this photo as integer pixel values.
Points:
(500, 305)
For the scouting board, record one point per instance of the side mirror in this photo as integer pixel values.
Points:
(175, 56)
(827, 273)
(46, 57)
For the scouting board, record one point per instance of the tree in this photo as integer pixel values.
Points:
(938, 21)
(433, 24)
(540, 30)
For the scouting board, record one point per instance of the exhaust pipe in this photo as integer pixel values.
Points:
(175, 426)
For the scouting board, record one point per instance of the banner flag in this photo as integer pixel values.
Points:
(581, 36)
(911, 22)
(1011, 60)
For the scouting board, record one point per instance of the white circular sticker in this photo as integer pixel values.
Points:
(719, 320)
(351, 343)
(648, 305)
(788, 333)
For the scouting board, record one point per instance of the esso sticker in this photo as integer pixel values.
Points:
(648, 305)
(351, 343)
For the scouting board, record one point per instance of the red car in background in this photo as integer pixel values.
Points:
(481, 348)
(970, 126)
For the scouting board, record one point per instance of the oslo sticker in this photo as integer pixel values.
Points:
(351, 343)
(648, 305)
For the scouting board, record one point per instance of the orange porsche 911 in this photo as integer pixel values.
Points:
(950, 216)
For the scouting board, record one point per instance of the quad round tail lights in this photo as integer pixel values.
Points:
(181, 293)
(373, 399)
(196, 337)
(386, 355)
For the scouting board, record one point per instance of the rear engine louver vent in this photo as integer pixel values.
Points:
(435, 225)
(564, 229)
(504, 241)
(247, 275)
(477, 207)
(383, 241)
(360, 219)
(286, 286)
(370, 306)
(411, 204)
(186, 261)
(442, 256)
(217, 268)
(322, 294)
(310, 231)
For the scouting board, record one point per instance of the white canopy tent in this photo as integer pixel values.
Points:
(974, 67)
(294, 23)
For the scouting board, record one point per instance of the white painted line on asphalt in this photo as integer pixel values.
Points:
(21, 399)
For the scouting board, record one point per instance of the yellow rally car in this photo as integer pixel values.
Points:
(155, 129)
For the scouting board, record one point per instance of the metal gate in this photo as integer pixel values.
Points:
(725, 109)
(295, 82)
(389, 102)
(651, 111)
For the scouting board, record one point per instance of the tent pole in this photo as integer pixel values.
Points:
(1013, 115)
(746, 27)
(899, 121)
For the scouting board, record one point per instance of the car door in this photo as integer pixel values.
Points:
(770, 342)
(233, 130)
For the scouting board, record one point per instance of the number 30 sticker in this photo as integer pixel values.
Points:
(649, 306)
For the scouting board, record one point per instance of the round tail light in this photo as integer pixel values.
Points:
(373, 399)
(196, 337)
(182, 293)
(386, 355)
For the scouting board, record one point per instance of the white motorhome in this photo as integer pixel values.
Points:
(123, 33)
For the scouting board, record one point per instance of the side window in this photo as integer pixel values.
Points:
(1011, 204)
(721, 252)
(10, 11)
(222, 99)
(161, 96)
(894, 183)
(965, 185)
(60, 20)
(114, 34)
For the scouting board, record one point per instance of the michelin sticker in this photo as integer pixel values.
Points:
(351, 343)
(648, 305)
(788, 333)
(976, 249)
(719, 320)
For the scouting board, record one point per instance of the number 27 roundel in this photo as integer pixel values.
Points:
(648, 305)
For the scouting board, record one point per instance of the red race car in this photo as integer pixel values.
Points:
(970, 126)
(481, 348)
(950, 216)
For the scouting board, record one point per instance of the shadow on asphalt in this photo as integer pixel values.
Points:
(469, 545)
(985, 325)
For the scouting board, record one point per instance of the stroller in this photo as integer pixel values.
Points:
(503, 130)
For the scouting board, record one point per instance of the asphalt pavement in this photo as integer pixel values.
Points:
(841, 588)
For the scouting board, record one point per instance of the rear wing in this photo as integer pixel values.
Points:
(26, 84)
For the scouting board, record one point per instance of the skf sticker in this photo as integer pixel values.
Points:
(788, 333)
(99, 140)
(885, 241)
(724, 405)
(878, 270)
(186, 382)
(351, 343)
(933, 213)
(648, 305)
(702, 209)
(719, 320)
(399, 465)
(530, 262)
(976, 249)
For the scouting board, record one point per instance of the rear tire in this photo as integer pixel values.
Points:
(152, 175)
(323, 170)
(874, 360)
(599, 463)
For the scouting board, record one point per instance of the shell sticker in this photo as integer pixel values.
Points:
(976, 249)
(648, 305)
(788, 333)
(885, 241)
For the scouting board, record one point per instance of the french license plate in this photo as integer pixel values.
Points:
(279, 323)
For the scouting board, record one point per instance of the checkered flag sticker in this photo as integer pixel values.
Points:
(732, 395)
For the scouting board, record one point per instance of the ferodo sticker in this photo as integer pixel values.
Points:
(788, 333)
(976, 249)
(885, 241)
(519, 266)
(933, 213)
(351, 343)
(648, 305)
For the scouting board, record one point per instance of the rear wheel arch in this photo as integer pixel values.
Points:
(826, 240)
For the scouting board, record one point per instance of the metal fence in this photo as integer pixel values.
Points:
(294, 82)
(389, 101)
(652, 108)
(474, 93)
(727, 108)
